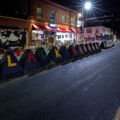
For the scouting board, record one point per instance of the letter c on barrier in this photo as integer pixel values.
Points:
(10, 64)
(42, 55)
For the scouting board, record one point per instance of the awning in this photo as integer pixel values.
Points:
(47, 28)
(60, 30)
(39, 27)
(78, 31)
(74, 31)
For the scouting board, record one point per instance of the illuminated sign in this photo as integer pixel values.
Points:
(65, 27)
(52, 25)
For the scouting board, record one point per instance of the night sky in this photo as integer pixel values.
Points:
(103, 6)
(14, 8)
(109, 8)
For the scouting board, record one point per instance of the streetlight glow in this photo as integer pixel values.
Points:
(80, 15)
(88, 5)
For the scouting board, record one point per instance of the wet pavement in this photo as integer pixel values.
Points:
(87, 89)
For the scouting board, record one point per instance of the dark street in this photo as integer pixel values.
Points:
(87, 89)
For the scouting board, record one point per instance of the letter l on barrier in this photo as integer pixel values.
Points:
(10, 64)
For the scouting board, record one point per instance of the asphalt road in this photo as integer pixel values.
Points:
(87, 89)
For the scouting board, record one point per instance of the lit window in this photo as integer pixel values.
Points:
(39, 12)
(96, 30)
(52, 16)
(89, 30)
(72, 21)
(63, 18)
(103, 30)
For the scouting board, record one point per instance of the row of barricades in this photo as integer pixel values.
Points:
(11, 67)
(106, 44)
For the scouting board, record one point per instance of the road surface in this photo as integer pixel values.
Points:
(87, 89)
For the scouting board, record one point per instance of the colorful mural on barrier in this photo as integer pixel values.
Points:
(11, 37)
(10, 66)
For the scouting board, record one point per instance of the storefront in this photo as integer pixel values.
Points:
(54, 33)
(65, 35)
(38, 35)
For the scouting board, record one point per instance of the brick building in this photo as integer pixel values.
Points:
(41, 20)
(13, 32)
(51, 22)
(97, 33)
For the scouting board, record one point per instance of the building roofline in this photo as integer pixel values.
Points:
(97, 26)
(14, 18)
(58, 6)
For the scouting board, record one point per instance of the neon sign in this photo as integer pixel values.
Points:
(65, 27)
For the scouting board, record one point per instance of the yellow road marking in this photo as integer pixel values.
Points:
(117, 117)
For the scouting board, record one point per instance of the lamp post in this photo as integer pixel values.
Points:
(87, 6)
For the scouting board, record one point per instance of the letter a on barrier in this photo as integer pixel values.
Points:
(30, 56)
(28, 61)
(9, 66)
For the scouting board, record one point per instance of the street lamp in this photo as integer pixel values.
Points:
(87, 5)
(80, 15)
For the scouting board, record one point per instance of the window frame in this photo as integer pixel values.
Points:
(72, 21)
(63, 18)
(89, 30)
(39, 15)
(51, 16)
